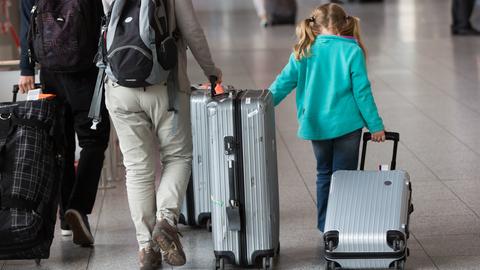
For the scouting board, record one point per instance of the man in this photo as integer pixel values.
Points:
(141, 117)
(74, 90)
(461, 12)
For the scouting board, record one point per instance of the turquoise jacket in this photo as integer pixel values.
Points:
(334, 96)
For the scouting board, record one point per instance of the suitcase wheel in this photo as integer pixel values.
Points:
(219, 263)
(330, 246)
(330, 265)
(399, 265)
(38, 261)
(208, 225)
(267, 263)
(398, 245)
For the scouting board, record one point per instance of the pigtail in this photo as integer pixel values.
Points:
(352, 28)
(306, 37)
(356, 34)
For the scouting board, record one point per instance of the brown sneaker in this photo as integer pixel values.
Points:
(150, 259)
(166, 236)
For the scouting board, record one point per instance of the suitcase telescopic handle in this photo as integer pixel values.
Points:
(389, 136)
(16, 89)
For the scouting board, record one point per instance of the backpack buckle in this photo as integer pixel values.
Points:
(95, 122)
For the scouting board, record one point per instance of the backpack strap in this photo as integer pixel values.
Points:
(172, 87)
(96, 105)
(172, 23)
(30, 33)
(172, 81)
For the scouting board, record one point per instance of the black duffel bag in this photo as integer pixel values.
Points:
(29, 178)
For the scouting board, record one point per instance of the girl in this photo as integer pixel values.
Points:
(334, 99)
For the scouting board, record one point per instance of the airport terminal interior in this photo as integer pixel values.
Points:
(426, 83)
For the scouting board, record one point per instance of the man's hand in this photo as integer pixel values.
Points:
(26, 83)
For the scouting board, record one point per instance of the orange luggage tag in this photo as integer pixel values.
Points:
(37, 94)
(46, 96)
(219, 89)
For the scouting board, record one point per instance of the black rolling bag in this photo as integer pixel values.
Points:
(30, 168)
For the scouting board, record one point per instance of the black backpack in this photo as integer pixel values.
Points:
(139, 44)
(63, 34)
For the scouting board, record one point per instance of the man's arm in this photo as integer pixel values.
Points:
(194, 36)
(27, 69)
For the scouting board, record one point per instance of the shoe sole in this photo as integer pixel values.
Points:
(151, 267)
(67, 233)
(171, 250)
(81, 235)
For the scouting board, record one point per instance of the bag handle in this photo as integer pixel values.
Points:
(16, 89)
(213, 85)
(389, 136)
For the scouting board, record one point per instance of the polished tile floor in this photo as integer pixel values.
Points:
(426, 84)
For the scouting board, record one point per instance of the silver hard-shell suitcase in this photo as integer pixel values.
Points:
(368, 217)
(244, 181)
(196, 207)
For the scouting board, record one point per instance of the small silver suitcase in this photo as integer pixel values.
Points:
(368, 216)
(196, 209)
(244, 181)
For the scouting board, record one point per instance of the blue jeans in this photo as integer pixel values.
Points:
(335, 154)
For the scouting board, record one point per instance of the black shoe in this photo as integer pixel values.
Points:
(81, 228)
(65, 228)
(466, 32)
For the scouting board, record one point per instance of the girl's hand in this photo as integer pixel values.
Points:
(378, 136)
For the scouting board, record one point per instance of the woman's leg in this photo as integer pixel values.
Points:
(323, 151)
(260, 7)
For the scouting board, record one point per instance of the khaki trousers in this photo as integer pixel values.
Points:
(144, 125)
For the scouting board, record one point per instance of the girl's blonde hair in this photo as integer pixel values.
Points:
(331, 17)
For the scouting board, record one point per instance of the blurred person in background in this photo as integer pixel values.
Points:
(462, 11)
(261, 12)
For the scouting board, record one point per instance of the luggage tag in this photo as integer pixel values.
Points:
(233, 210)
(37, 94)
(383, 167)
(233, 217)
(219, 89)
(34, 94)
